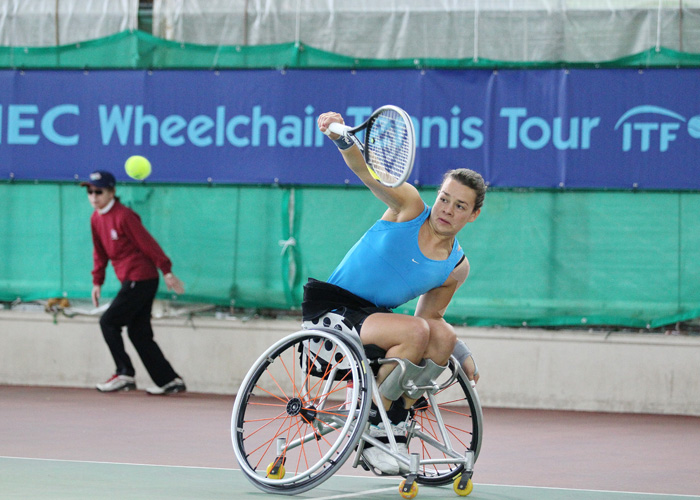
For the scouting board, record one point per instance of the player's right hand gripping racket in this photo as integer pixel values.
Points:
(390, 144)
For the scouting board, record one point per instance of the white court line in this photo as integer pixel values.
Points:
(115, 463)
(359, 493)
(348, 495)
(592, 491)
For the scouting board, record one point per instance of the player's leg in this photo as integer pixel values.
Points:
(402, 337)
(111, 323)
(440, 347)
(141, 336)
(442, 341)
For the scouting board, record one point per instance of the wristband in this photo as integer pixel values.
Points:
(169, 275)
(343, 143)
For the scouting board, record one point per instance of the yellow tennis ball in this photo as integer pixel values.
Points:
(137, 167)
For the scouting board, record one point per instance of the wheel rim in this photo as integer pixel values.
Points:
(283, 401)
(462, 416)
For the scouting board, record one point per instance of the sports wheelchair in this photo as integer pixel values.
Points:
(303, 409)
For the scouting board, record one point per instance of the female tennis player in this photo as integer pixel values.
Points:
(412, 251)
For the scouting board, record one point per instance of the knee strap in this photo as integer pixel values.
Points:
(392, 386)
(431, 371)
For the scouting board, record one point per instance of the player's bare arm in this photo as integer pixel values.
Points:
(404, 202)
(433, 304)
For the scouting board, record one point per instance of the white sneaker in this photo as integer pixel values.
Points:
(175, 385)
(117, 383)
(403, 450)
(381, 460)
(400, 431)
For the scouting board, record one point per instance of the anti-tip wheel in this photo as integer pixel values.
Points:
(410, 493)
(278, 475)
(465, 491)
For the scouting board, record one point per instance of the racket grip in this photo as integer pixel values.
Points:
(337, 128)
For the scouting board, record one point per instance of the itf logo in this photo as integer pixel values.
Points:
(649, 132)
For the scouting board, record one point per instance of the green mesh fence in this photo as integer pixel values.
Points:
(538, 257)
(140, 50)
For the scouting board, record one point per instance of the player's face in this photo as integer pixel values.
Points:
(453, 208)
(99, 197)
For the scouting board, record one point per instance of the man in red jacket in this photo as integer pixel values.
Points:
(118, 235)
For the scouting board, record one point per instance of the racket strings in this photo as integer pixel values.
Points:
(390, 146)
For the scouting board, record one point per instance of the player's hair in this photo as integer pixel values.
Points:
(470, 179)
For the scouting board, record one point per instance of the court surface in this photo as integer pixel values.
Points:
(61, 443)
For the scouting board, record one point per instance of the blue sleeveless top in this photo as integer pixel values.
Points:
(386, 266)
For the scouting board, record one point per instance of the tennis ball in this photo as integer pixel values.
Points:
(137, 167)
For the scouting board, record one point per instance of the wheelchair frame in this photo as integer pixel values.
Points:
(303, 409)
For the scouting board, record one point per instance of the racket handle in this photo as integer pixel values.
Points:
(337, 128)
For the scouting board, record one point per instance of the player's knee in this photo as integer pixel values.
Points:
(443, 335)
(419, 336)
(108, 325)
(448, 337)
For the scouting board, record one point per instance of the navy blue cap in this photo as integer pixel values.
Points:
(100, 179)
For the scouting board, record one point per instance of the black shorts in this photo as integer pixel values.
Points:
(321, 298)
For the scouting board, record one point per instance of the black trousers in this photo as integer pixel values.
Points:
(132, 308)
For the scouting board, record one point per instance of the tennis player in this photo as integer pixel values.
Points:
(412, 251)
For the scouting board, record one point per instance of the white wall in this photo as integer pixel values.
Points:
(519, 368)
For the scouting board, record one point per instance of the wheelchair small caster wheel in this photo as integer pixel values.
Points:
(411, 492)
(466, 488)
(277, 475)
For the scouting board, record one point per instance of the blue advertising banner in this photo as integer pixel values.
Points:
(519, 128)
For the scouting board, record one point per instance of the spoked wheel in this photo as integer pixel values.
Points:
(449, 429)
(300, 411)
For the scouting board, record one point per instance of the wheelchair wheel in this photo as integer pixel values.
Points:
(301, 410)
(458, 408)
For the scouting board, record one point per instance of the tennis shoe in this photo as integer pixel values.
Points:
(175, 385)
(400, 433)
(117, 383)
(381, 460)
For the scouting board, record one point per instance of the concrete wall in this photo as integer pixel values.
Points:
(519, 368)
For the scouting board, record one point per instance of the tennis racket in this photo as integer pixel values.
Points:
(389, 146)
